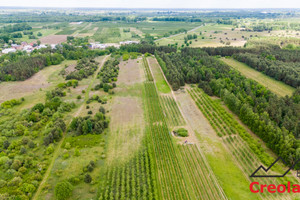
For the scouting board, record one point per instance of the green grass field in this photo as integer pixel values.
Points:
(160, 82)
(275, 86)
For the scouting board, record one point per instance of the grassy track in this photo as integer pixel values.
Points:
(160, 82)
(275, 86)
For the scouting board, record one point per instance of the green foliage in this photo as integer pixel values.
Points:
(256, 106)
(87, 178)
(182, 132)
(84, 68)
(10, 103)
(63, 190)
(125, 56)
(86, 125)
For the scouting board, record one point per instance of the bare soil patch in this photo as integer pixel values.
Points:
(197, 123)
(131, 72)
(53, 39)
(126, 110)
(126, 128)
(18, 89)
(70, 68)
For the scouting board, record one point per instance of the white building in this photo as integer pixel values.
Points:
(42, 46)
(9, 50)
(98, 46)
(129, 42)
(28, 48)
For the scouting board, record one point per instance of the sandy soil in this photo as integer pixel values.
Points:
(130, 72)
(197, 123)
(18, 89)
(125, 110)
(70, 68)
(53, 39)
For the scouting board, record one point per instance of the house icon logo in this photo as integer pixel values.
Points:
(265, 170)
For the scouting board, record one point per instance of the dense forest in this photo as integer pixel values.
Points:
(280, 64)
(275, 120)
(26, 66)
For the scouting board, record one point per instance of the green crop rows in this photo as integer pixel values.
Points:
(132, 180)
(232, 133)
(172, 113)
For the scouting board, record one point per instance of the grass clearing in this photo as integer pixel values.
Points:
(275, 86)
(34, 88)
(160, 82)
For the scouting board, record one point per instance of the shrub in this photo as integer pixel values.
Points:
(63, 190)
(102, 109)
(87, 178)
(181, 132)
(79, 97)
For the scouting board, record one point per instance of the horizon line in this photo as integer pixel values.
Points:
(142, 7)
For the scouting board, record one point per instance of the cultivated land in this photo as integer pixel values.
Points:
(275, 86)
(138, 152)
(126, 111)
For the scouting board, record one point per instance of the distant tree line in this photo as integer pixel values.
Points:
(64, 17)
(26, 66)
(177, 19)
(280, 64)
(15, 28)
(20, 66)
(147, 48)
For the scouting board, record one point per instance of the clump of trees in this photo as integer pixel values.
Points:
(11, 103)
(21, 137)
(108, 75)
(89, 125)
(190, 37)
(63, 190)
(84, 68)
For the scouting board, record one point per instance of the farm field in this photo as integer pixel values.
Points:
(215, 35)
(232, 137)
(149, 104)
(275, 86)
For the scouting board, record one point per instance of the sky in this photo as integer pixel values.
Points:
(155, 3)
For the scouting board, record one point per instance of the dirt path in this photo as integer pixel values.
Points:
(56, 152)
